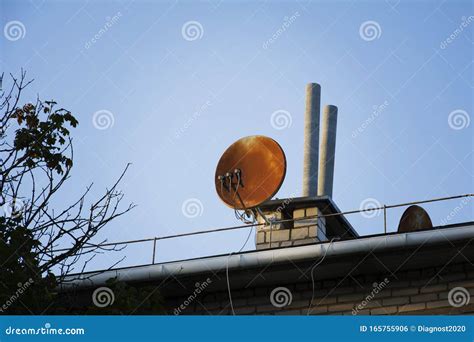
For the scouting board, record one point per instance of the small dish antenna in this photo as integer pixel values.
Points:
(413, 219)
(250, 172)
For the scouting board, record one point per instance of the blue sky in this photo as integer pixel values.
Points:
(178, 98)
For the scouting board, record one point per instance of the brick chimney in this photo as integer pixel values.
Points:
(300, 232)
(306, 227)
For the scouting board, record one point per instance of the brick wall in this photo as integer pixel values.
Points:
(423, 291)
(300, 232)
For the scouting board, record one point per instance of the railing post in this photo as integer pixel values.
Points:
(154, 250)
(385, 219)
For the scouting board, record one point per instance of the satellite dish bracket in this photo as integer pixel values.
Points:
(267, 221)
(227, 180)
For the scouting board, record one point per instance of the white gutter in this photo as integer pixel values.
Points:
(282, 255)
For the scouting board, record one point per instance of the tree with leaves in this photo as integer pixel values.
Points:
(40, 244)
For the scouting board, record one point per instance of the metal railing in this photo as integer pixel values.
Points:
(216, 230)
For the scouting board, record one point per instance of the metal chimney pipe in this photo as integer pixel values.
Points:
(328, 150)
(311, 139)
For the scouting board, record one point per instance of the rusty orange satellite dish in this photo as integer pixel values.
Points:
(413, 219)
(250, 172)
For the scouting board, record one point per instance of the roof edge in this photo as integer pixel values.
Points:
(254, 259)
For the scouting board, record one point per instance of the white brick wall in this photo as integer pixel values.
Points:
(302, 231)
